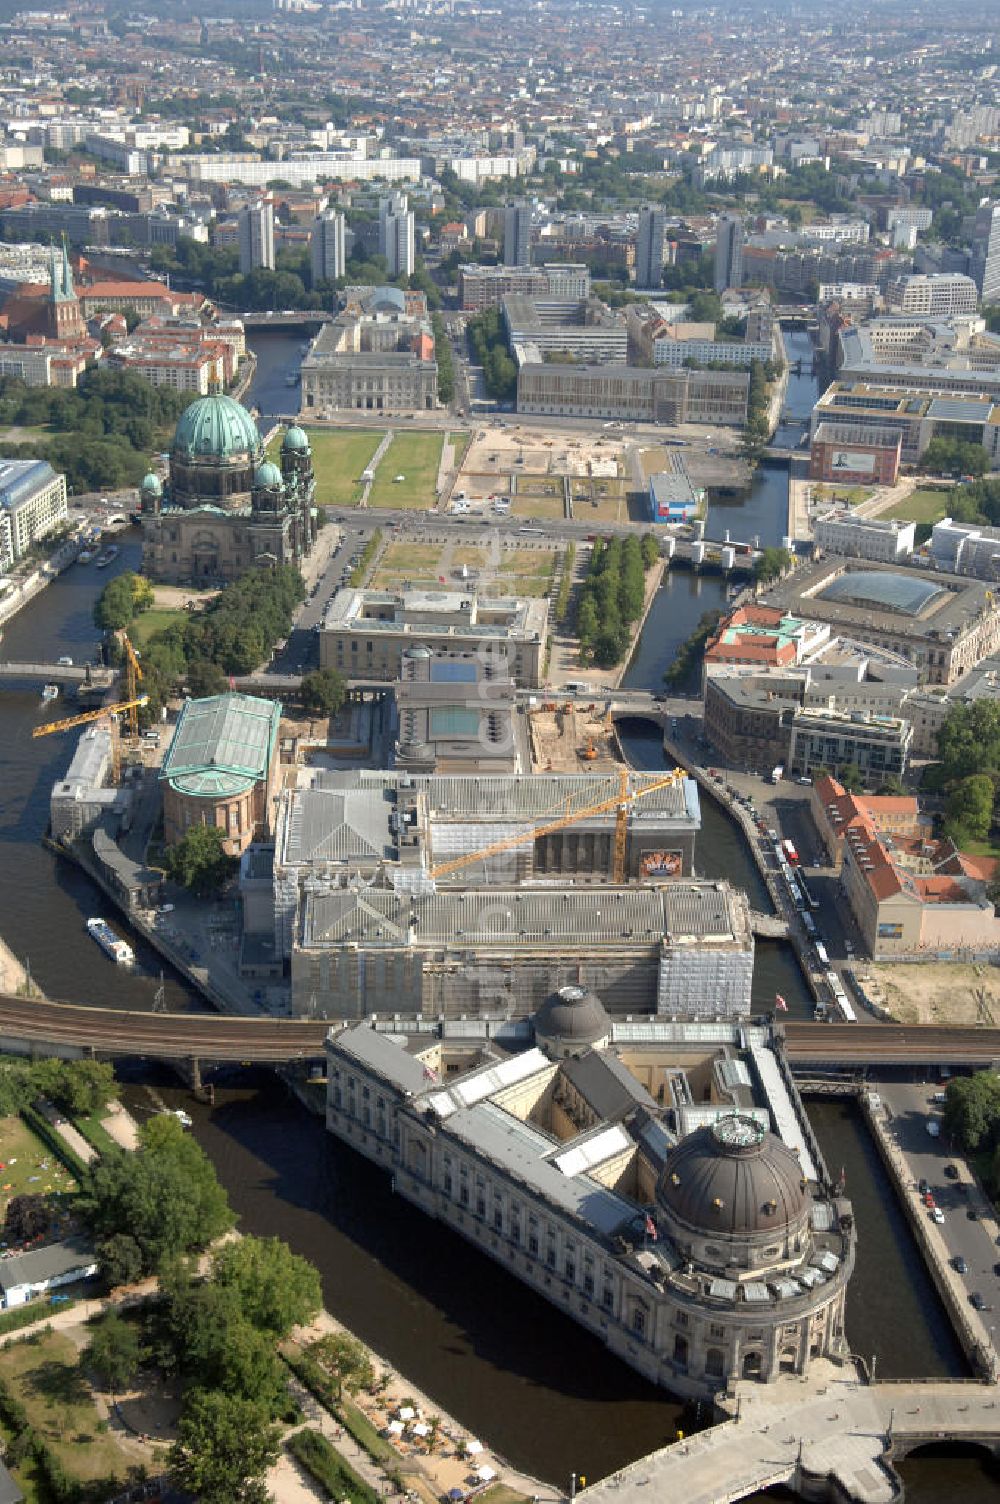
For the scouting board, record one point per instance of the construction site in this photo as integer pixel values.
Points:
(565, 737)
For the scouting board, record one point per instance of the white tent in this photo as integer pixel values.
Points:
(395, 1428)
(473, 1448)
(485, 1474)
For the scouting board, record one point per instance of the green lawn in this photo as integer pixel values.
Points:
(28, 1165)
(153, 620)
(47, 1378)
(339, 457)
(928, 504)
(416, 456)
(853, 495)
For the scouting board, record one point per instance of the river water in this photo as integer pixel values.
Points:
(504, 1362)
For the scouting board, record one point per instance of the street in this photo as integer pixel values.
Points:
(969, 1229)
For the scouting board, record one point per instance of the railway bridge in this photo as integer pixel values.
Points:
(43, 1027)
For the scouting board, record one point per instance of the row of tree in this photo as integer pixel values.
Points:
(234, 634)
(968, 770)
(445, 362)
(77, 1086)
(954, 457)
(489, 344)
(611, 597)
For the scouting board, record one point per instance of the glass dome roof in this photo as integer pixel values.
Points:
(216, 427)
(882, 592)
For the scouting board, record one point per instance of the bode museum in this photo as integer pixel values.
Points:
(657, 1181)
(226, 508)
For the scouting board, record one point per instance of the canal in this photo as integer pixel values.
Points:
(503, 1361)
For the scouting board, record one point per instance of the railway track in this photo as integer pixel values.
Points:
(212, 1036)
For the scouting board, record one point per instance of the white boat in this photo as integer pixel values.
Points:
(50, 692)
(182, 1117)
(84, 557)
(119, 950)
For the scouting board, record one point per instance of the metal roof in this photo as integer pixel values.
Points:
(384, 1053)
(21, 479)
(222, 745)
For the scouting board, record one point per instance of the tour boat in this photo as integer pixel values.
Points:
(119, 950)
(84, 557)
(108, 556)
(50, 692)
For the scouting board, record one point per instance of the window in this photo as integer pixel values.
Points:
(533, 1244)
(639, 1322)
(463, 1195)
(570, 1270)
(716, 1331)
(498, 1217)
(608, 1297)
(681, 1318)
(588, 1284)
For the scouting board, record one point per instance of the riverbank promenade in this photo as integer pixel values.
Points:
(827, 1432)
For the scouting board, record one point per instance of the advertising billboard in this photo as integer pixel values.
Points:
(852, 462)
(660, 864)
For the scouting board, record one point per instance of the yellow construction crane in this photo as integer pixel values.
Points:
(620, 803)
(133, 677)
(50, 727)
(106, 712)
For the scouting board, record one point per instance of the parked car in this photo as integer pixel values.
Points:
(933, 1128)
(923, 1186)
(937, 1215)
(951, 1171)
(977, 1301)
(959, 1265)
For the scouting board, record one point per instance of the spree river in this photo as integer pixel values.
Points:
(486, 1348)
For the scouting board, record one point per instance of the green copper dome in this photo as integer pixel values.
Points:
(151, 485)
(217, 428)
(267, 475)
(296, 439)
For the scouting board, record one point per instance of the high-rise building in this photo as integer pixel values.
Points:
(517, 234)
(395, 234)
(729, 253)
(327, 247)
(257, 236)
(649, 248)
(986, 252)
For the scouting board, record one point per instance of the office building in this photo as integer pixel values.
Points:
(986, 252)
(627, 1174)
(256, 226)
(486, 286)
(396, 235)
(586, 330)
(649, 247)
(937, 295)
(729, 253)
(517, 234)
(32, 503)
(327, 247)
(912, 411)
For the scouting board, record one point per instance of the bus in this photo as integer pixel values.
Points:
(810, 924)
(822, 953)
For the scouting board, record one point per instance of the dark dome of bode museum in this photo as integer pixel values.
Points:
(571, 1020)
(733, 1179)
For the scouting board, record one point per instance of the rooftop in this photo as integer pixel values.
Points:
(221, 746)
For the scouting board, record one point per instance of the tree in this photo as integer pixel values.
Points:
(80, 1086)
(969, 740)
(120, 1260)
(969, 809)
(114, 1351)
(277, 1289)
(954, 457)
(120, 601)
(972, 1110)
(323, 691)
(849, 776)
(223, 1449)
(771, 564)
(346, 1360)
(166, 1195)
(199, 861)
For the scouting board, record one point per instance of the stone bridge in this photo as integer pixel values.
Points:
(828, 1434)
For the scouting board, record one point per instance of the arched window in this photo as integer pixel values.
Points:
(681, 1350)
(751, 1365)
(715, 1363)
